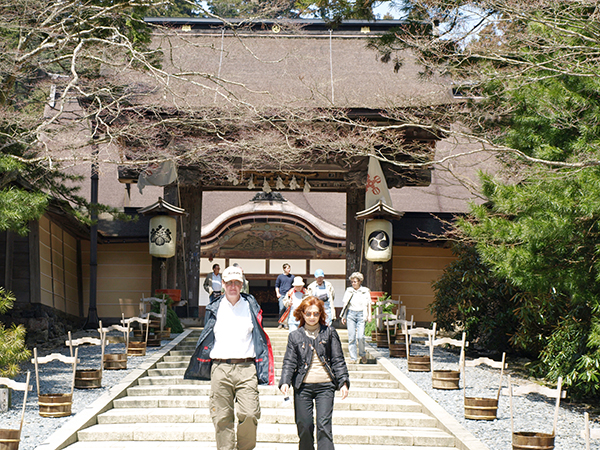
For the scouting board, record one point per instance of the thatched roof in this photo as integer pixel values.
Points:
(302, 65)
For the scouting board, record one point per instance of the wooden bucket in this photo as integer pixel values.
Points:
(479, 408)
(524, 440)
(153, 340)
(9, 439)
(398, 350)
(55, 405)
(419, 364)
(115, 361)
(88, 378)
(136, 348)
(382, 340)
(155, 323)
(445, 379)
(166, 334)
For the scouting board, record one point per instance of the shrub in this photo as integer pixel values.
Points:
(172, 321)
(12, 340)
(470, 297)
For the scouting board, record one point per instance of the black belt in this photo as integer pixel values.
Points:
(234, 360)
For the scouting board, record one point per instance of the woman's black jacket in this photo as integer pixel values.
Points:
(299, 354)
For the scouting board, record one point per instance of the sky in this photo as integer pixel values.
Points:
(385, 8)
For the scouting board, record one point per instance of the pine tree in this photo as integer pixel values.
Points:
(528, 77)
(12, 340)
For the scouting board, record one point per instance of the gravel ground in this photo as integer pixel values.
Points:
(55, 377)
(532, 412)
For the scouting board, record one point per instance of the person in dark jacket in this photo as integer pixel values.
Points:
(314, 366)
(235, 354)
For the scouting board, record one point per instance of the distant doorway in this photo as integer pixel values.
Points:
(265, 295)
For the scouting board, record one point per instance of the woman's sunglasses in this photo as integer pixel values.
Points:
(312, 314)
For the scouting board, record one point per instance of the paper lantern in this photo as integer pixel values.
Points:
(163, 233)
(378, 240)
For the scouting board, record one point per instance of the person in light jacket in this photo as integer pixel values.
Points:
(314, 366)
(294, 297)
(213, 283)
(235, 354)
(324, 291)
(358, 311)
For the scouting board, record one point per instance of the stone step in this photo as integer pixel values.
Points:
(164, 411)
(166, 376)
(279, 433)
(354, 374)
(192, 445)
(185, 356)
(266, 401)
(278, 361)
(184, 360)
(278, 337)
(188, 389)
(168, 380)
(268, 416)
(167, 369)
(277, 353)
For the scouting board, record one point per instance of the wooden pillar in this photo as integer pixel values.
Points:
(155, 280)
(387, 276)
(79, 278)
(184, 268)
(189, 274)
(355, 201)
(34, 263)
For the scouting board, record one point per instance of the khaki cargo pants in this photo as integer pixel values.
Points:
(234, 384)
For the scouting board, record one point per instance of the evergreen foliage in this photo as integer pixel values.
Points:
(530, 86)
(541, 232)
(470, 298)
(173, 322)
(12, 340)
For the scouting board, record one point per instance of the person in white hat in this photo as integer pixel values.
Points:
(235, 354)
(294, 297)
(324, 291)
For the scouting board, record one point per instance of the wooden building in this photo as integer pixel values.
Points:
(310, 224)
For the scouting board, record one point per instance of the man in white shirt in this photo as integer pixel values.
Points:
(234, 352)
(213, 283)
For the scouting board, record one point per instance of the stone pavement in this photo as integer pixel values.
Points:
(158, 409)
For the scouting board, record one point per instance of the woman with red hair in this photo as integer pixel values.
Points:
(314, 366)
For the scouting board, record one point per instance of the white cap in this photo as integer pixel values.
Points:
(232, 273)
(298, 281)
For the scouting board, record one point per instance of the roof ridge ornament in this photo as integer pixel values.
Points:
(379, 211)
(162, 207)
(268, 197)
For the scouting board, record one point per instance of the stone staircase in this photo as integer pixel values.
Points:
(164, 411)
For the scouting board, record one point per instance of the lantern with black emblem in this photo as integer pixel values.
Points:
(378, 240)
(163, 227)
